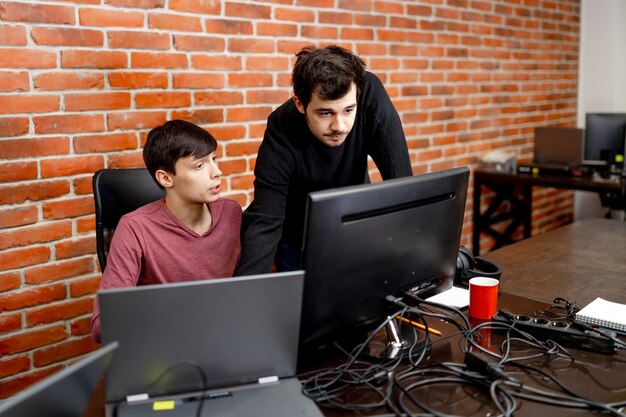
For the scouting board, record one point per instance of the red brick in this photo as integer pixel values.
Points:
(17, 148)
(64, 351)
(20, 103)
(14, 81)
(335, 17)
(87, 224)
(105, 143)
(75, 247)
(137, 80)
(59, 270)
(71, 166)
(267, 96)
(200, 116)
(198, 43)
(60, 311)
(233, 166)
(277, 29)
(38, 295)
(59, 36)
(216, 63)
(174, 22)
(32, 339)
(242, 148)
(196, 6)
(13, 126)
(93, 59)
(17, 258)
(296, 14)
(39, 233)
(138, 40)
(241, 182)
(246, 114)
(33, 191)
(13, 35)
(160, 100)
(267, 63)
(229, 27)
(110, 18)
(82, 185)
(250, 45)
(125, 160)
(62, 209)
(248, 11)
(16, 171)
(27, 58)
(142, 4)
(36, 13)
(204, 80)
(69, 123)
(58, 81)
(228, 132)
(135, 120)
(81, 326)
(84, 286)
(158, 60)
(14, 365)
(250, 80)
(12, 386)
(97, 101)
(10, 281)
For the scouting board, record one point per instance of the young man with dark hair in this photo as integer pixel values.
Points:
(191, 234)
(320, 139)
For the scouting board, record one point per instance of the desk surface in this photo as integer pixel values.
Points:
(578, 262)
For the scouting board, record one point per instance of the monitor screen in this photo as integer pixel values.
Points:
(364, 242)
(605, 134)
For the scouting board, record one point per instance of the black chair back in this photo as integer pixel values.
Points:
(117, 192)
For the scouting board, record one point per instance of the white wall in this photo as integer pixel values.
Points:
(602, 75)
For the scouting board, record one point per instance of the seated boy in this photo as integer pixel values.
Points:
(191, 234)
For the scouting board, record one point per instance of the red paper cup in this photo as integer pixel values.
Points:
(483, 297)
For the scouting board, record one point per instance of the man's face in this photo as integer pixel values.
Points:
(330, 121)
(197, 180)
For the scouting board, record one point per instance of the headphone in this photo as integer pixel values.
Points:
(468, 266)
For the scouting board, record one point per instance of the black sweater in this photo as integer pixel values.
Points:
(291, 163)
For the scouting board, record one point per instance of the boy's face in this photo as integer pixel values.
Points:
(330, 121)
(197, 180)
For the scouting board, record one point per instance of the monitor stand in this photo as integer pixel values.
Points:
(398, 341)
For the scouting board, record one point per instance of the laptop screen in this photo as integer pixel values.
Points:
(230, 331)
(65, 393)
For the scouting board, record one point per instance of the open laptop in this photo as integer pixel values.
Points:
(231, 343)
(65, 393)
(558, 148)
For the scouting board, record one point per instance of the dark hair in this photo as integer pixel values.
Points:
(329, 72)
(173, 140)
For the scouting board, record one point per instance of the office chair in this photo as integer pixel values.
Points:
(117, 192)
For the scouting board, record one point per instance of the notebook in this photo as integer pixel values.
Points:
(238, 334)
(604, 313)
(65, 393)
(558, 148)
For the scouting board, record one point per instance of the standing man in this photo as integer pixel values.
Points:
(318, 140)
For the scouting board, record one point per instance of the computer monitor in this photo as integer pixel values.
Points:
(364, 242)
(605, 134)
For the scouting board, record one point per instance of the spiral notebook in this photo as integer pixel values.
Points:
(604, 313)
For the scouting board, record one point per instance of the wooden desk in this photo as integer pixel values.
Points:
(579, 262)
(516, 190)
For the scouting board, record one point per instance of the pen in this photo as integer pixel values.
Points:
(419, 325)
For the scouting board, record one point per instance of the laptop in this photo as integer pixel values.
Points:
(558, 148)
(220, 347)
(65, 393)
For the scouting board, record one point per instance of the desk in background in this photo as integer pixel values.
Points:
(517, 189)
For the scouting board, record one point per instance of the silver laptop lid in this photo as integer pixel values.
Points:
(235, 329)
(559, 145)
(65, 393)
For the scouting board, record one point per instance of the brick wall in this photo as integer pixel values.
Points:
(82, 81)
